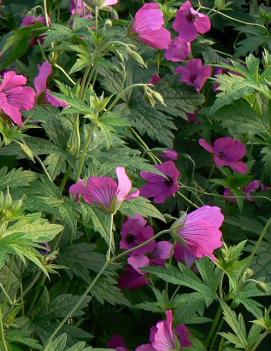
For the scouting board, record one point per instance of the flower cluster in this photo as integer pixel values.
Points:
(135, 232)
(189, 23)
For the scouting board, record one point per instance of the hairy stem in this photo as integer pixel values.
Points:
(80, 301)
(2, 334)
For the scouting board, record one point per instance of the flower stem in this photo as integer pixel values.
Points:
(116, 258)
(46, 13)
(187, 200)
(2, 334)
(231, 18)
(259, 241)
(213, 329)
(83, 156)
(118, 96)
(78, 304)
(111, 238)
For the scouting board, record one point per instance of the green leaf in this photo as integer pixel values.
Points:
(17, 43)
(142, 206)
(100, 220)
(237, 324)
(58, 344)
(179, 99)
(81, 259)
(184, 276)
(15, 178)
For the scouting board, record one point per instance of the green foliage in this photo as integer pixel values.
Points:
(205, 288)
(20, 234)
(239, 338)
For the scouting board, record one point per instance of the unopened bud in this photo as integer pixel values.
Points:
(262, 286)
(248, 274)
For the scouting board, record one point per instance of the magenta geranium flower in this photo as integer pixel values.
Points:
(149, 26)
(163, 337)
(40, 83)
(79, 8)
(135, 231)
(178, 50)
(170, 155)
(155, 79)
(199, 231)
(31, 20)
(158, 187)
(195, 73)
(130, 279)
(134, 277)
(183, 254)
(117, 343)
(189, 22)
(251, 188)
(15, 96)
(105, 192)
(227, 152)
(161, 252)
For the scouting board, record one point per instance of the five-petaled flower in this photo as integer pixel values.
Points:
(227, 152)
(40, 83)
(195, 73)
(178, 50)
(135, 231)
(199, 231)
(189, 22)
(163, 336)
(105, 192)
(149, 26)
(15, 96)
(159, 187)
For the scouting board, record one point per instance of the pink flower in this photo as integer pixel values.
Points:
(228, 195)
(133, 277)
(130, 279)
(163, 337)
(189, 23)
(105, 191)
(110, 2)
(199, 231)
(117, 343)
(155, 79)
(32, 20)
(158, 187)
(250, 188)
(148, 25)
(15, 96)
(195, 73)
(179, 50)
(135, 231)
(170, 155)
(227, 152)
(40, 83)
(183, 254)
(78, 7)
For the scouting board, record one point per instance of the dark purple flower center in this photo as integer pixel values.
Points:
(169, 181)
(193, 77)
(221, 155)
(190, 17)
(130, 238)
